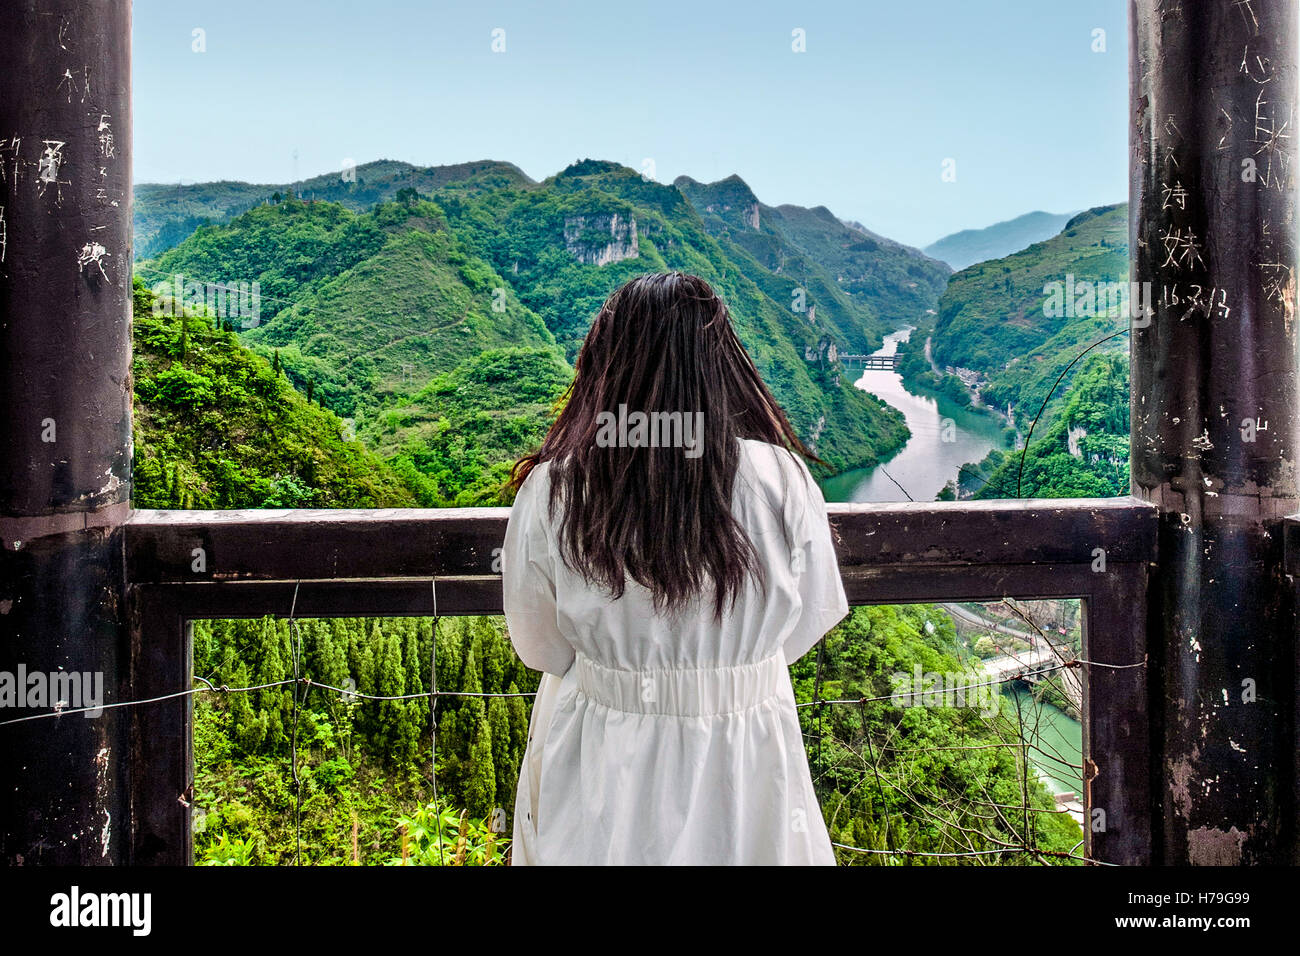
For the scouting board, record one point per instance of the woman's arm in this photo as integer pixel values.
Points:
(528, 584)
(813, 561)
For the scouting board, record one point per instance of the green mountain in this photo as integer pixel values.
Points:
(366, 311)
(864, 285)
(965, 248)
(1007, 319)
(565, 244)
(368, 308)
(164, 214)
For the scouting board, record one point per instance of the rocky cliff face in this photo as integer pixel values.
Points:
(600, 239)
(748, 213)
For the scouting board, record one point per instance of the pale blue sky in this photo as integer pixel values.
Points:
(861, 122)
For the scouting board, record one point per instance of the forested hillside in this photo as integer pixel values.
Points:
(1080, 451)
(366, 309)
(218, 427)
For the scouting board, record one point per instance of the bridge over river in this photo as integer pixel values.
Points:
(873, 362)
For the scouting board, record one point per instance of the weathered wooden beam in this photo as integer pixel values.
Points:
(162, 732)
(65, 434)
(1118, 795)
(193, 546)
(1215, 430)
(465, 594)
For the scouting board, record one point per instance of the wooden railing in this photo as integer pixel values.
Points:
(188, 565)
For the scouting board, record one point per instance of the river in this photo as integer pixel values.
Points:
(927, 462)
(1057, 737)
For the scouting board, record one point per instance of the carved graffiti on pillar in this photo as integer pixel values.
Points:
(93, 254)
(1182, 248)
(1210, 302)
(10, 164)
(1273, 122)
(74, 83)
(107, 152)
(48, 167)
(105, 131)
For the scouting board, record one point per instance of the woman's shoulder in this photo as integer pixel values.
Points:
(773, 462)
(779, 474)
(537, 479)
(533, 495)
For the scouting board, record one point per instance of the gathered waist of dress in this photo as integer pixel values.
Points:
(684, 692)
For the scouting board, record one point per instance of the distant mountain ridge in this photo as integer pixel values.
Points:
(165, 213)
(965, 248)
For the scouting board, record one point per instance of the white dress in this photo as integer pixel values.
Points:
(654, 741)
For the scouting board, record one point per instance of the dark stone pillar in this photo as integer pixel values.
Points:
(1215, 438)
(65, 429)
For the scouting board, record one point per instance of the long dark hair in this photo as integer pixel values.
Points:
(661, 343)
